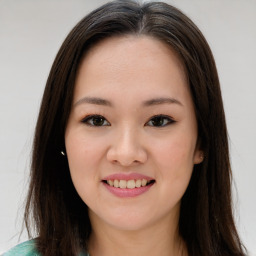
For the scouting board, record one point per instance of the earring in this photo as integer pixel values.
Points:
(63, 153)
(202, 156)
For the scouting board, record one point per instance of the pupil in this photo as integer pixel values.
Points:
(98, 121)
(157, 121)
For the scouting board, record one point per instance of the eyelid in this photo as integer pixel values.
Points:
(171, 120)
(88, 117)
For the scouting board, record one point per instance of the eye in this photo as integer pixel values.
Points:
(95, 120)
(160, 121)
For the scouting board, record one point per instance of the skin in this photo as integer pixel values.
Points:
(127, 71)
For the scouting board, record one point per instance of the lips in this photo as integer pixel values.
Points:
(128, 185)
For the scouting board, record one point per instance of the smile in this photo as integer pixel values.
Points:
(128, 184)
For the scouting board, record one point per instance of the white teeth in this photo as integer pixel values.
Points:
(138, 183)
(144, 183)
(111, 183)
(128, 183)
(122, 184)
(116, 183)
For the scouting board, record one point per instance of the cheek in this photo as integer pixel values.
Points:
(84, 155)
(174, 152)
(174, 162)
(82, 151)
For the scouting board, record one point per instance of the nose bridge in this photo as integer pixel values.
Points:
(127, 146)
(127, 140)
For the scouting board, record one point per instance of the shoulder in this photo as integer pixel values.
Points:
(27, 248)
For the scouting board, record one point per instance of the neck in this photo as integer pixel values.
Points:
(157, 239)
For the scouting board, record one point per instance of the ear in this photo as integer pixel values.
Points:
(198, 156)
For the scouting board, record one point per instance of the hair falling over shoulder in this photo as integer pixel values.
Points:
(54, 210)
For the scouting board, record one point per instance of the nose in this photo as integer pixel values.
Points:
(127, 149)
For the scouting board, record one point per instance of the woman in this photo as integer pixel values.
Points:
(130, 152)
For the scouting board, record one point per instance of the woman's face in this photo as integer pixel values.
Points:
(131, 138)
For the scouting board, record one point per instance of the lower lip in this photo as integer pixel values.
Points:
(128, 192)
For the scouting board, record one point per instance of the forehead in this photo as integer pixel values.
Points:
(130, 62)
(143, 45)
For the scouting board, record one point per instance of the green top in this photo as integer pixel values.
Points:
(27, 248)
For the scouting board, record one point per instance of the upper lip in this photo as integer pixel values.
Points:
(127, 176)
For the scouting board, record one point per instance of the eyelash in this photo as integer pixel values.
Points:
(163, 118)
(169, 119)
(90, 117)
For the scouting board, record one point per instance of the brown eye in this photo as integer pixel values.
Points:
(160, 121)
(96, 120)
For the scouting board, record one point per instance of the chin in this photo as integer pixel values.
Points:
(130, 224)
(130, 219)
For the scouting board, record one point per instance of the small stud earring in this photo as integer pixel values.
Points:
(63, 153)
(202, 156)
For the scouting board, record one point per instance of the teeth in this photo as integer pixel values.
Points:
(116, 183)
(128, 184)
(138, 183)
(122, 184)
(111, 183)
(143, 183)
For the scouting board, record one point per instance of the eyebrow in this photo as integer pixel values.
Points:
(151, 102)
(94, 100)
(159, 101)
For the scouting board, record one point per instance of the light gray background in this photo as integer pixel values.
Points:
(31, 32)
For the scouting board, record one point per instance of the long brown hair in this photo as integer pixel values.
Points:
(54, 209)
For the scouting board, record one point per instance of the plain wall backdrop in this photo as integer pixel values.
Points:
(31, 32)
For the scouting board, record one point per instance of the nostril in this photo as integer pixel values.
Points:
(127, 154)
